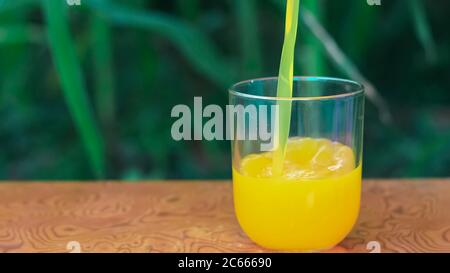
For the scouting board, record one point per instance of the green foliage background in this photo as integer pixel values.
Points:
(86, 91)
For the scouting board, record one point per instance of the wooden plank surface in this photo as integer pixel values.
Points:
(403, 216)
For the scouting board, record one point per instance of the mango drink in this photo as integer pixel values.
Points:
(312, 205)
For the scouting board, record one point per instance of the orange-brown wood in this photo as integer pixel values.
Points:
(402, 216)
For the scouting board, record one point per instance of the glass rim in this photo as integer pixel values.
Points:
(359, 90)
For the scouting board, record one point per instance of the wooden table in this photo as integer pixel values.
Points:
(402, 216)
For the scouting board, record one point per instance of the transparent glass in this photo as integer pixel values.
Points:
(314, 202)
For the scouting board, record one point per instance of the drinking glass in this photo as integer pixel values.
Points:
(314, 202)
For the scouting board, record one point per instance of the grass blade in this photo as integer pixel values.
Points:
(423, 30)
(69, 71)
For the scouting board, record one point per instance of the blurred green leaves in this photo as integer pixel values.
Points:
(6, 5)
(192, 43)
(72, 82)
(104, 75)
(247, 24)
(315, 64)
(19, 34)
(138, 58)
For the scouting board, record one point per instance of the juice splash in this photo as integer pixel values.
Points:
(285, 84)
(312, 205)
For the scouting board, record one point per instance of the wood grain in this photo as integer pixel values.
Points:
(403, 216)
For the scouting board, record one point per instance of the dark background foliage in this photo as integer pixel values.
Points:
(86, 91)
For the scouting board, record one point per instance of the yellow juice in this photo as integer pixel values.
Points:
(311, 206)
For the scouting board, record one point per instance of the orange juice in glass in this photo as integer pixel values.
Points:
(314, 202)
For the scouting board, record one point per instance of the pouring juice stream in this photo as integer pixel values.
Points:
(285, 84)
